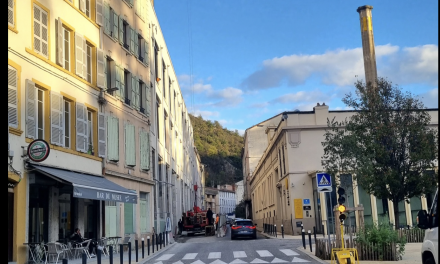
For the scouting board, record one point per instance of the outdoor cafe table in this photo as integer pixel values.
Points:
(113, 241)
(36, 253)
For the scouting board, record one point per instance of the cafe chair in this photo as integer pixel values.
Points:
(125, 241)
(83, 247)
(54, 250)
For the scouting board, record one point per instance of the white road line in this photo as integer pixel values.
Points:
(257, 260)
(178, 262)
(237, 261)
(289, 252)
(214, 255)
(295, 259)
(277, 260)
(217, 261)
(264, 253)
(190, 256)
(240, 254)
(165, 257)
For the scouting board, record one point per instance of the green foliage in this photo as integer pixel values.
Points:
(379, 235)
(219, 149)
(240, 210)
(387, 145)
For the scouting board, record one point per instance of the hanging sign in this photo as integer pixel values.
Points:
(38, 150)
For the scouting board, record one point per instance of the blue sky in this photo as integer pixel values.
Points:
(242, 61)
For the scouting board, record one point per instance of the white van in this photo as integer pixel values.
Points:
(429, 222)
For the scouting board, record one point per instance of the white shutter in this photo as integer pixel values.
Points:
(115, 31)
(56, 119)
(84, 59)
(130, 153)
(136, 44)
(99, 18)
(100, 68)
(40, 31)
(12, 97)
(101, 135)
(134, 91)
(60, 42)
(81, 127)
(148, 97)
(143, 215)
(110, 221)
(144, 139)
(107, 25)
(11, 12)
(82, 5)
(113, 138)
(132, 40)
(31, 110)
(79, 53)
(121, 30)
(122, 84)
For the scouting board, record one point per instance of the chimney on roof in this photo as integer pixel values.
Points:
(366, 20)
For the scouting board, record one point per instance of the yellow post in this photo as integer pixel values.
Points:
(342, 235)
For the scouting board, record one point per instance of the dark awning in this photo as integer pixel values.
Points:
(90, 186)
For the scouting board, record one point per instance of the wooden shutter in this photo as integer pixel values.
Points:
(31, 110)
(107, 25)
(144, 138)
(56, 119)
(131, 2)
(40, 31)
(122, 83)
(79, 53)
(101, 135)
(100, 68)
(82, 5)
(60, 42)
(128, 218)
(84, 59)
(99, 18)
(146, 52)
(110, 221)
(121, 30)
(143, 215)
(135, 92)
(113, 138)
(132, 35)
(130, 153)
(117, 74)
(12, 97)
(116, 29)
(81, 127)
(148, 97)
(11, 21)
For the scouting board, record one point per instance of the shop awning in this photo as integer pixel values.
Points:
(90, 186)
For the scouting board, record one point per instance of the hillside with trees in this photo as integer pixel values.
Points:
(220, 150)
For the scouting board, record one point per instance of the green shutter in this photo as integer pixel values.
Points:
(130, 145)
(148, 99)
(115, 31)
(145, 150)
(110, 221)
(135, 92)
(113, 138)
(146, 50)
(143, 216)
(121, 30)
(107, 26)
(128, 218)
(121, 84)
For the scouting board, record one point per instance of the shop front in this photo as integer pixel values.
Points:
(61, 200)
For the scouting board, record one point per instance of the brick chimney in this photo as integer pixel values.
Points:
(366, 20)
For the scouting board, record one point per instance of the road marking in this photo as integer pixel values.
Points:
(277, 260)
(264, 253)
(240, 254)
(257, 260)
(213, 255)
(217, 261)
(160, 262)
(237, 261)
(190, 256)
(295, 259)
(165, 257)
(198, 262)
(289, 252)
(178, 262)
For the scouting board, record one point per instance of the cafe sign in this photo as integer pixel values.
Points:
(38, 150)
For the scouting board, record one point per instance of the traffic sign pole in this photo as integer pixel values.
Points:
(328, 232)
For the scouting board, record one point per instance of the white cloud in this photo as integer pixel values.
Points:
(430, 98)
(200, 87)
(339, 67)
(260, 105)
(226, 97)
(205, 114)
(303, 96)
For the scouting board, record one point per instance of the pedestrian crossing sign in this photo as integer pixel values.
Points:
(324, 182)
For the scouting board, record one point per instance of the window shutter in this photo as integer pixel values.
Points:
(81, 127)
(148, 101)
(31, 110)
(128, 218)
(132, 34)
(117, 74)
(130, 154)
(143, 216)
(40, 31)
(146, 52)
(113, 138)
(136, 8)
(122, 83)
(99, 19)
(107, 25)
(115, 32)
(110, 221)
(79, 46)
(145, 150)
(136, 44)
(12, 97)
(60, 42)
(11, 12)
(84, 59)
(82, 5)
(135, 92)
(56, 119)
(101, 135)
(100, 68)
(105, 72)
(121, 30)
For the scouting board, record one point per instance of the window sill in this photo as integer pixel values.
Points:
(28, 50)
(13, 29)
(81, 12)
(113, 162)
(142, 63)
(110, 37)
(15, 131)
(127, 52)
(128, 106)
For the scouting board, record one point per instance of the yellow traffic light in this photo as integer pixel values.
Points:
(341, 208)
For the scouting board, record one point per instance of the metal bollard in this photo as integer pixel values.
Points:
(310, 240)
(282, 231)
(65, 261)
(110, 254)
(121, 253)
(152, 242)
(157, 242)
(129, 252)
(160, 240)
(303, 238)
(136, 249)
(98, 256)
(323, 233)
(84, 258)
(163, 239)
(142, 245)
(148, 245)
(166, 237)
(314, 233)
(275, 228)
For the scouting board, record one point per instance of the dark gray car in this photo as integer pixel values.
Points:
(243, 228)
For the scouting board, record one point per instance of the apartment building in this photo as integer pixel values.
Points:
(281, 158)
(239, 191)
(210, 198)
(226, 198)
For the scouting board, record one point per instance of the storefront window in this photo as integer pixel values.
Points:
(38, 213)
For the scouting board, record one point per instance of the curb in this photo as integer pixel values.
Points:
(311, 255)
(157, 253)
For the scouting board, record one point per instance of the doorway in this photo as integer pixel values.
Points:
(38, 213)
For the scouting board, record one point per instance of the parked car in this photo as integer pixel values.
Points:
(243, 228)
(429, 222)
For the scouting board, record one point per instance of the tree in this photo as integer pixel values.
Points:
(387, 145)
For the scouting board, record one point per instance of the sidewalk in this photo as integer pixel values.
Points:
(412, 254)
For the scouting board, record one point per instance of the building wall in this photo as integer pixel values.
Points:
(239, 192)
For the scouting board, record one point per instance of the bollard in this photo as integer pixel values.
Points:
(84, 258)
(166, 237)
(314, 233)
(148, 245)
(65, 261)
(157, 242)
(303, 238)
(323, 233)
(142, 245)
(160, 240)
(110, 254)
(282, 231)
(121, 252)
(98, 256)
(163, 239)
(129, 252)
(310, 240)
(275, 228)
(136, 244)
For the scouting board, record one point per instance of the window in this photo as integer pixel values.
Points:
(157, 120)
(111, 21)
(67, 120)
(41, 32)
(144, 206)
(40, 114)
(169, 93)
(86, 129)
(130, 145)
(90, 149)
(165, 129)
(144, 138)
(89, 63)
(163, 77)
(11, 14)
(66, 38)
(87, 7)
(128, 88)
(12, 97)
(113, 138)
(156, 59)
(141, 96)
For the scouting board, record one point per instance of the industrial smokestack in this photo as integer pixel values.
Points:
(366, 20)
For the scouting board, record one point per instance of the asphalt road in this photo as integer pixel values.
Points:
(199, 249)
